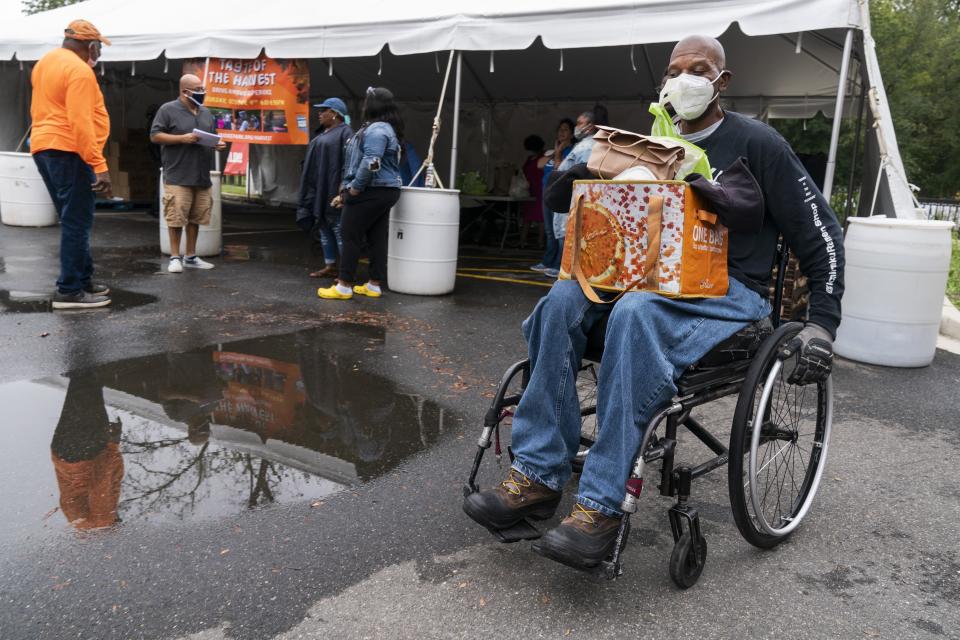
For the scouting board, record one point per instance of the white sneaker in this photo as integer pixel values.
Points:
(196, 263)
(175, 266)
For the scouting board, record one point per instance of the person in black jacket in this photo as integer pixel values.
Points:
(320, 182)
(651, 339)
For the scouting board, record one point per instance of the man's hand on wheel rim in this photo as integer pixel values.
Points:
(814, 344)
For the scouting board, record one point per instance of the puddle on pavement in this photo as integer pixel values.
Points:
(207, 433)
(12, 301)
(22, 264)
(115, 263)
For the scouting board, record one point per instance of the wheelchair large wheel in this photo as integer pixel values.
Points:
(778, 444)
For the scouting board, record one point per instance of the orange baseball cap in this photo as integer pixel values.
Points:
(84, 30)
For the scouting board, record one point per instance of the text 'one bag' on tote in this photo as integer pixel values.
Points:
(651, 236)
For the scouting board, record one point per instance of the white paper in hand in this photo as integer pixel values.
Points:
(206, 139)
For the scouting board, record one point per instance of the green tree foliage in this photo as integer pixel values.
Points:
(918, 44)
(36, 6)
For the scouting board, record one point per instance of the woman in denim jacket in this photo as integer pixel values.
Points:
(371, 186)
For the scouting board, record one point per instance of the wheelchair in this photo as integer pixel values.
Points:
(776, 453)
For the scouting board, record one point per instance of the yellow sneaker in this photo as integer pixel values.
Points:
(362, 290)
(331, 293)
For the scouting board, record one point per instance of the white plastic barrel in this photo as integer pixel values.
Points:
(896, 274)
(210, 236)
(24, 199)
(424, 234)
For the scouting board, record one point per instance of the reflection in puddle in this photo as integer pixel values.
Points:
(86, 456)
(41, 301)
(210, 432)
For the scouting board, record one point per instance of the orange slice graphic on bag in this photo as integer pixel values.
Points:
(601, 246)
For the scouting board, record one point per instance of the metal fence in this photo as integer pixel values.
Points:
(942, 210)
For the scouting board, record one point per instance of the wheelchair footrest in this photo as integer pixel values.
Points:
(523, 530)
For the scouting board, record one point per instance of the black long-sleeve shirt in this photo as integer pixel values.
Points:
(795, 208)
(322, 174)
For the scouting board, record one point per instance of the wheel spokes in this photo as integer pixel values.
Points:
(783, 470)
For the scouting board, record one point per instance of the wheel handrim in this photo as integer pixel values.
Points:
(785, 457)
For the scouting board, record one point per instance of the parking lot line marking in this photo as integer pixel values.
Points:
(498, 279)
(253, 233)
(498, 258)
(489, 270)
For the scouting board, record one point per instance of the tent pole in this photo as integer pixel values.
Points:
(246, 176)
(455, 133)
(837, 117)
(856, 146)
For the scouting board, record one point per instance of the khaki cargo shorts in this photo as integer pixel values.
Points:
(182, 205)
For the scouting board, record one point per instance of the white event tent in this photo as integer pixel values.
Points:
(520, 65)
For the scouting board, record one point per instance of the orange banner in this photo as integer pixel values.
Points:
(261, 101)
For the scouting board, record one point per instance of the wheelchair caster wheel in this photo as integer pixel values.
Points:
(686, 564)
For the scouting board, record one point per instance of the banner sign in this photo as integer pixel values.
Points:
(260, 101)
(237, 159)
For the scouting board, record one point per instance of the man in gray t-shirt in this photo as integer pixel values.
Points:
(187, 199)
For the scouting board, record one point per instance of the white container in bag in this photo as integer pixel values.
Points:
(895, 276)
(424, 235)
(24, 199)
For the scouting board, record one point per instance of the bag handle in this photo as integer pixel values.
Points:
(706, 216)
(612, 142)
(650, 271)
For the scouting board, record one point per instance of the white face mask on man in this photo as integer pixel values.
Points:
(689, 95)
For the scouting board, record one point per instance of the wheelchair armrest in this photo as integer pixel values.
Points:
(740, 346)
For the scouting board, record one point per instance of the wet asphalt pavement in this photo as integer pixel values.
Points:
(273, 465)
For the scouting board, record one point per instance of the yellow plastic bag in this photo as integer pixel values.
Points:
(695, 159)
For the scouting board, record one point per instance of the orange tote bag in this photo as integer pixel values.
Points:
(644, 236)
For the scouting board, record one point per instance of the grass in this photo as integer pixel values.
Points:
(233, 189)
(953, 282)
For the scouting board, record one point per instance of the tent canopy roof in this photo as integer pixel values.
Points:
(298, 29)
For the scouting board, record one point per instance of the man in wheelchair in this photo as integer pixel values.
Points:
(651, 340)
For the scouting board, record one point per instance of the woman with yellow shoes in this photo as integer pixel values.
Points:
(371, 186)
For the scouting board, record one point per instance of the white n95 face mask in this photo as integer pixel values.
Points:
(689, 95)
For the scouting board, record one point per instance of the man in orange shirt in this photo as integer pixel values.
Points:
(70, 129)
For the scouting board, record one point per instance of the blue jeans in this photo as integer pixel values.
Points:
(551, 256)
(328, 228)
(650, 341)
(69, 181)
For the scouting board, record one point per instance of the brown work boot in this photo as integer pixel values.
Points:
(515, 499)
(328, 271)
(582, 541)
